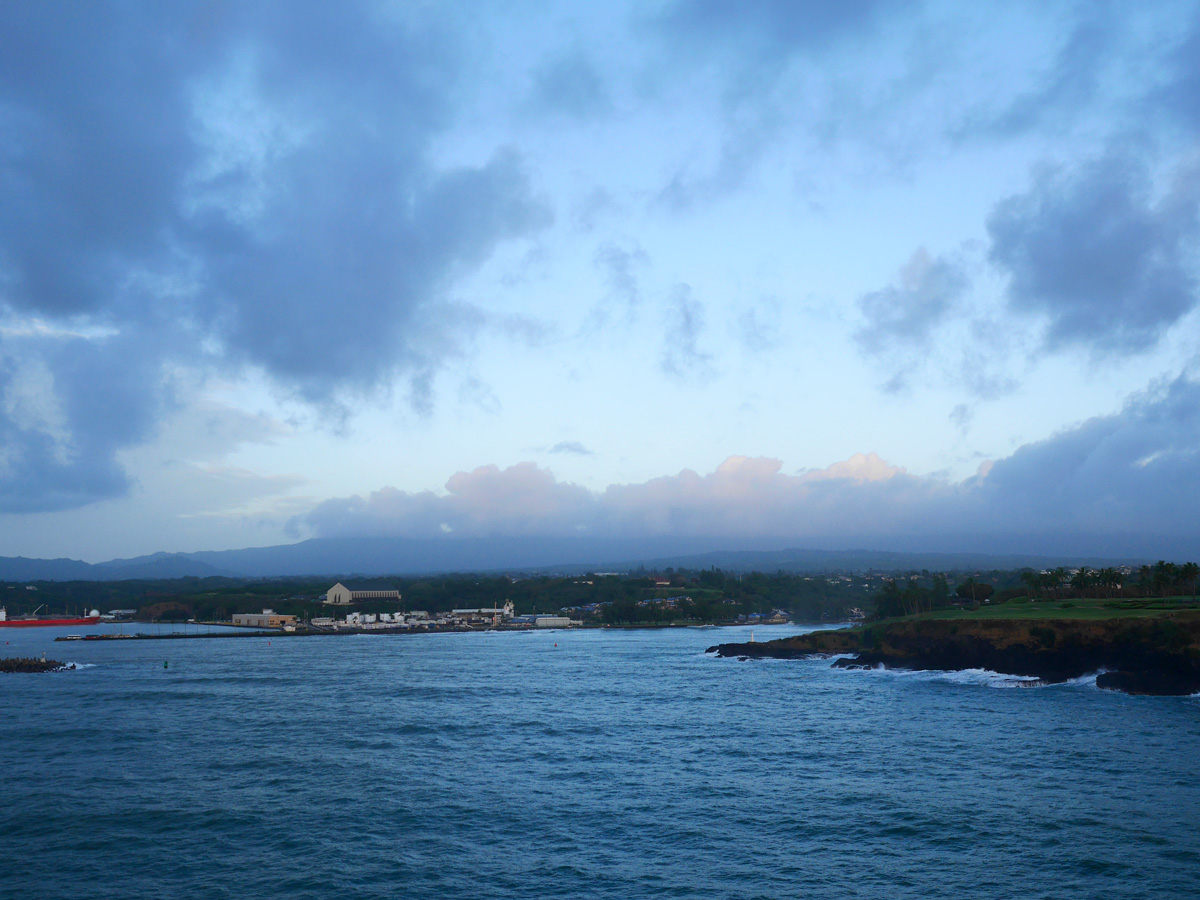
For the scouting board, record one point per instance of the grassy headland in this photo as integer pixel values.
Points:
(1142, 646)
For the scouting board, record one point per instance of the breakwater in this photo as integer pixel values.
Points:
(21, 664)
(1151, 655)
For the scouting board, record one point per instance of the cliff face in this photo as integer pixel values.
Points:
(1141, 655)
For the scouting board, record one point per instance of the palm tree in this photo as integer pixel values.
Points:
(1146, 578)
(1109, 578)
(1060, 577)
(1190, 573)
(1049, 580)
(1081, 580)
(1033, 581)
(1165, 575)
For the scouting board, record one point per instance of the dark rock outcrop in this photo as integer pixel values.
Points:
(1152, 655)
(25, 664)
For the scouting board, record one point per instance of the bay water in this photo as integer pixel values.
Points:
(589, 763)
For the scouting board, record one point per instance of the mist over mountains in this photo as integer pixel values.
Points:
(408, 556)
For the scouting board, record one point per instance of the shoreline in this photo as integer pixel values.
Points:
(243, 631)
(1151, 656)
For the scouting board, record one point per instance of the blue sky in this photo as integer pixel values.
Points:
(797, 273)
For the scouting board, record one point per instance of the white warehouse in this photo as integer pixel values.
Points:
(340, 595)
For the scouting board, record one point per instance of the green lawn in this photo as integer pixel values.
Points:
(1023, 608)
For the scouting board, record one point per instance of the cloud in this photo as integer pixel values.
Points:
(905, 321)
(1177, 96)
(1069, 85)
(858, 468)
(759, 326)
(522, 499)
(573, 447)
(764, 35)
(620, 266)
(67, 405)
(1107, 263)
(226, 188)
(682, 356)
(569, 84)
(905, 314)
(1136, 471)
(961, 417)
(750, 48)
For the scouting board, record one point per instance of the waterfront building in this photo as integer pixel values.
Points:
(268, 618)
(495, 615)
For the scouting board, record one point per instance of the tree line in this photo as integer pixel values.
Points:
(916, 593)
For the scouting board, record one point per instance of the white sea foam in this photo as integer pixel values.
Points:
(974, 677)
(982, 677)
(1081, 681)
(73, 666)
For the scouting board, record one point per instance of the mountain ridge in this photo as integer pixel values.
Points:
(408, 556)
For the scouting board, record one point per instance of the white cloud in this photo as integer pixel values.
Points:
(1135, 470)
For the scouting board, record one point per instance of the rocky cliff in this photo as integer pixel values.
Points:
(1159, 655)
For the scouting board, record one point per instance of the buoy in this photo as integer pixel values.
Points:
(164, 663)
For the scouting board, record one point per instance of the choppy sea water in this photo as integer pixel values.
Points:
(577, 764)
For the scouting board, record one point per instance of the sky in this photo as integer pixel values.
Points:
(797, 273)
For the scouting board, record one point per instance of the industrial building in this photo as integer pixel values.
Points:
(495, 615)
(340, 595)
(268, 618)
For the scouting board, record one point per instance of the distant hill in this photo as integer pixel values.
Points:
(158, 565)
(401, 556)
(18, 568)
(155, 566)
(797, 560)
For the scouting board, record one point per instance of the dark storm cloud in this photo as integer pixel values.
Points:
(252, 179)
(1137, 471)
(1094, 251)
(70, 404)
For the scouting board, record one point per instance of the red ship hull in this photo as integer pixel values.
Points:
(37, 623)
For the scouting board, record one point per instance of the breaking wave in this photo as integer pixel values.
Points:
(978, 677)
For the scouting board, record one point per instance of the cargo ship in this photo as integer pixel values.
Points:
(33, 620)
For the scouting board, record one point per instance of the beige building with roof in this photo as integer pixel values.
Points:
(340, 595)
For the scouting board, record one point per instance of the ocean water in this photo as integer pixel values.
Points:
(577, 764)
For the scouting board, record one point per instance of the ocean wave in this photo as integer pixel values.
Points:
(971, 677)
(984, 678)
(1088, 680)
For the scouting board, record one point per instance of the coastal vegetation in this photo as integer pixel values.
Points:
(1140, 634)
(920, 593)
(637, 598)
